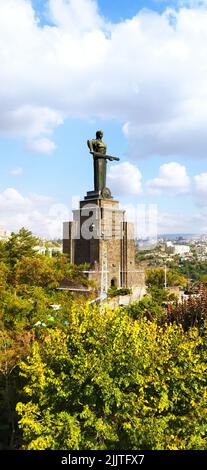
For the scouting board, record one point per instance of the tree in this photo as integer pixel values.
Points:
(2, 250)
(175, 279)
(38, 271)
(156, 277)
(146, 308)
(191, 312)
(19, 245)
(4, 272)
(27, 292)
(203, 279)
(109, 382)
(130, 378)
(13, 347)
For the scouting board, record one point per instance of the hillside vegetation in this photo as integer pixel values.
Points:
(81, 377)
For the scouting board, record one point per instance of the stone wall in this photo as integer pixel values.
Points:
(99, 236)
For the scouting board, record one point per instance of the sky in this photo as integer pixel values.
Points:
(135, 69)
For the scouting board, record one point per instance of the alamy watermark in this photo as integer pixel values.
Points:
(94, 222)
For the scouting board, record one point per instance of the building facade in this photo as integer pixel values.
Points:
(100, 237)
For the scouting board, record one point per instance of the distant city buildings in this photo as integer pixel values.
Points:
(181, 249)
(186, 247)
(44, 248)
(48, 250)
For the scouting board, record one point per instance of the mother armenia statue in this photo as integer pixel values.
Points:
(98, 150)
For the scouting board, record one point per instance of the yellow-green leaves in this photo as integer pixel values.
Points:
(111, 382)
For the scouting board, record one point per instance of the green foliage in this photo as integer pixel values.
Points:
(192, 312)
(109, 382)
(131, 378)
(153, 306)
(2, 249)
(146, 308)
(156, 277)
(114, 291)
(39, 271)
(27, 294)
(174, 279)
(19, 245)
(194, 270)
(13, 347)
(160, 296)
(4, 271)
(203, 279)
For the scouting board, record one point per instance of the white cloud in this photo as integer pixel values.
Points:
(44, 217)
(29, 120)
(148, 72)
(43, 145)
(41, 199)
(192, 3)
(201, 184)
(11, 200)
(199, 220)
(125, 178)
(75, 15)
(172, 176)
(200, 190)
(17, 171)
(177, 222)
(36, 212)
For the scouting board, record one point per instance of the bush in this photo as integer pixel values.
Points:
(109, 382)
(113, 291)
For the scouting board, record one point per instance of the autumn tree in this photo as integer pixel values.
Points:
(156, 277)
(109, 382)
(38, 271)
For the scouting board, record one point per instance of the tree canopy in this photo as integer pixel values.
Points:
(156, 277)
(109, 382)
(77, 376)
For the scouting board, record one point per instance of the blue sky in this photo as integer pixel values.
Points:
(140, 75)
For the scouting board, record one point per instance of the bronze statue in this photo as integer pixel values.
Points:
(98, 150)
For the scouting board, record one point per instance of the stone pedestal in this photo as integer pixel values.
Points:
(100, 237)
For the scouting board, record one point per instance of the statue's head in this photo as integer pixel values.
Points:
(99, 134)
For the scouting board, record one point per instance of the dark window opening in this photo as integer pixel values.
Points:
(113, 282)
